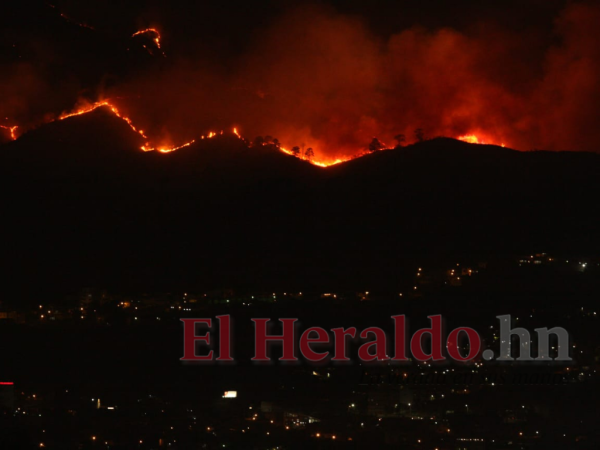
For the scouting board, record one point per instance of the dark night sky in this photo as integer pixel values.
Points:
(230, 25)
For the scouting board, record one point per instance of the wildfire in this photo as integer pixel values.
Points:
(167, 149)
(328, 164)
(146, 147)
(471, 138)
(154, 32)
(314, 162)
(11, 130)
(113, 109)
(474, 139)
(154, 35)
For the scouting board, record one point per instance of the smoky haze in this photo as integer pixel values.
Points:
(332, 79)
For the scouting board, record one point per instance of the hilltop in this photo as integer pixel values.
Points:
(82, 199)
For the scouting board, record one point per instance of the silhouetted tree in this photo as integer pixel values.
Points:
(296, 151)
(276, 143)
(375, 145)
(268, 139)
(401, 140)
(259, 141)
(420, 134)
(309, 153)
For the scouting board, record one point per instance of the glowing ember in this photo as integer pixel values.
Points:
(470, 138)
(114, 110)
(11, 130)
(166, 149)
(127, 120)
(314, 162)
(153, 32)
(473, 139)
(68, 19)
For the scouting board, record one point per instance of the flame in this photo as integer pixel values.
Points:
(313, 161)
(155, 39)
(329, 164)
(146, 147)
(470, 138)
(152, 31)
(11, 130)
(474, 139)
(153, 34)
(166, 149)
(112, 108)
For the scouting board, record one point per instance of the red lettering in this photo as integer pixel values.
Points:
(400, 338)
(379, 343)
(305, 341)
(224, 338)
(416, 343)
(340, 342)
(261, 338)
(190, 338)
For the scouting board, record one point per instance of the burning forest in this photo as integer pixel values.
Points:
(323, 85)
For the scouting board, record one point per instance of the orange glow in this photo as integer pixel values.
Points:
(482, 85)
(150, 31)
(166, 149)
(474, 139)
(344, 142)
(114, 110)
(471, 138)
(154, 32)
(11, 130)
(146, 147)
(313, 161)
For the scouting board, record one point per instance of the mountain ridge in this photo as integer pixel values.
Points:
(101, 212)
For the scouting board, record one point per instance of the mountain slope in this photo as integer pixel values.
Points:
(85, 207)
